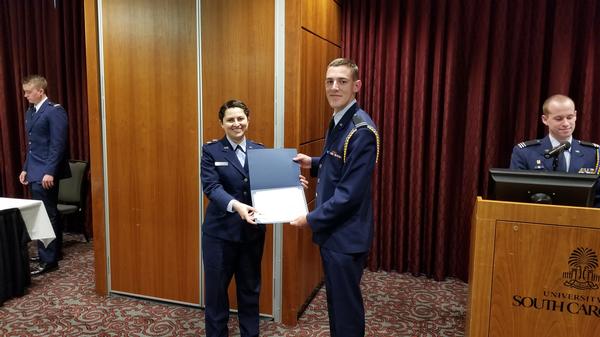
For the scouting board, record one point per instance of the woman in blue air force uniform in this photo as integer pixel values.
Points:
(232, 242)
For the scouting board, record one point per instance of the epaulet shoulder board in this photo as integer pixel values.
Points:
(56, 105)
(259, 143)
(590, 144)
(529, 143)
(358, 121)
(212, 141)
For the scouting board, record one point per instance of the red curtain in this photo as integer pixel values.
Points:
(452, 86)
(44, 37)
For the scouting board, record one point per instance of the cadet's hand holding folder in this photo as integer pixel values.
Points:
(276, 190)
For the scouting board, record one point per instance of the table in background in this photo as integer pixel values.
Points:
(21, 220)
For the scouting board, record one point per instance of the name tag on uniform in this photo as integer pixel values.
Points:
(334, 154)
(586, 170)
(221, 163)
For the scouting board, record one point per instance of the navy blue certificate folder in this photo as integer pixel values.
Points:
(277, 194)
(273, 168)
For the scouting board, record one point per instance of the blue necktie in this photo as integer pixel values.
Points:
(240, 154)
(562, 163)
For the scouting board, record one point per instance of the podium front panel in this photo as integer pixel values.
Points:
(545, 280)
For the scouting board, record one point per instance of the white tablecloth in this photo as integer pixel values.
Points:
(35, 217)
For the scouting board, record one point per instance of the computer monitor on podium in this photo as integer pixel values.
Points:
(558, 188)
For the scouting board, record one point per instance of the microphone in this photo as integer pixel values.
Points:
(554, 152)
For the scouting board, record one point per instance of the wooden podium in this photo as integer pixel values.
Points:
(534, 271)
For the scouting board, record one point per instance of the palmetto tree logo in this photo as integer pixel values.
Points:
(582, 264)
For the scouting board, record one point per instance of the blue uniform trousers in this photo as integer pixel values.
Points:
(223, 259)
(344, 299)
(49, 197)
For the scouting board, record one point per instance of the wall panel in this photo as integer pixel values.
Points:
(238, 62)
(152, 147)
(95, 140)
(314, 108)
(312, 41)
(323, 18)
(302, 261)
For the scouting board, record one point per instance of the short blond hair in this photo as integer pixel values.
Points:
(345, 62)
(37, 81)
(558, 99)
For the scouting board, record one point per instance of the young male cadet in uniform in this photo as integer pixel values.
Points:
(46, 162)
(559, 115)
(342, 221)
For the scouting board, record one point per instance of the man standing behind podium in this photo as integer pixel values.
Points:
(342, 221)
(46, 162)
(559, 115)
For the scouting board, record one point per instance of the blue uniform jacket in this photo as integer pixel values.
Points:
(342, 220)
(224, 179)
(529, 155)
(47, 135)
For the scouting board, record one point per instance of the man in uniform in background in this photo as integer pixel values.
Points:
(46, 162)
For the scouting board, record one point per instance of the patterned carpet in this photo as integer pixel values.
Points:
(63, 303)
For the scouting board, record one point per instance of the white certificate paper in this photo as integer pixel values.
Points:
(279, 205)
